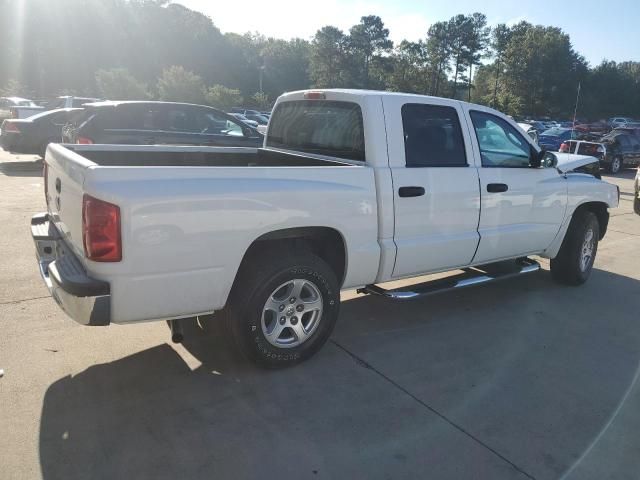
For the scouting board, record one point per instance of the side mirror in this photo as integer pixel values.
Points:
(535, 160)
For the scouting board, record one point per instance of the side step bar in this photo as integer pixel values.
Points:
(470, 276)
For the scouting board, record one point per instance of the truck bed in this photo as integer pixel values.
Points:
(182, 156)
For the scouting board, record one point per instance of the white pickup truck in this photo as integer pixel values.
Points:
(352, 189)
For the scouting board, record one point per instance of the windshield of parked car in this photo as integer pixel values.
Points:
(319, 126)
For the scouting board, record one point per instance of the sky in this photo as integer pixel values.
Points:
(598, 30)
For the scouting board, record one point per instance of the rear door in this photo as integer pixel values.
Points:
(435, 183)
(522, 207)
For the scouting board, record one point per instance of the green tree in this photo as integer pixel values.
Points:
(477, 44)
(286, 65)
(119, 84)
(15, 88)
(223, 98)
(179, 85)
(410, 68)
(368, 41)
(261, 101)
(500, 36)
(328, 58)
(438, 48)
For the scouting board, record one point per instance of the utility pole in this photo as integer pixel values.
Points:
(260, 70)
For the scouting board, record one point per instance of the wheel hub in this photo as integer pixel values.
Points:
(292, 313)
(586, 252)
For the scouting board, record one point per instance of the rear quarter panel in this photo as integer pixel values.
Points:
(185, 229)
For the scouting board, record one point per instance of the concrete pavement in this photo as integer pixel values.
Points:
(521, 379)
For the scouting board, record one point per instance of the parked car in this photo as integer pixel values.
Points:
(13, 107)
(66, 101)
(636, 189)
(529, 130)
(150, 123)
(619, 121)
(335, 200)
(595, 127)
(622, 150)
(262, 128)
(632, 128)
(552, 139)
(32, 135)
(538, 126)
(259, 118)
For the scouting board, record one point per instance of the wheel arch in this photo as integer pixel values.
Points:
(325, 242)
(601, 211)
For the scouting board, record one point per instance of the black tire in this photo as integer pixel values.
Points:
(569, 266)
(256, 284)
(615, 166)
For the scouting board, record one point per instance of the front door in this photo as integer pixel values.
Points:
(522, 207)
(435, 182)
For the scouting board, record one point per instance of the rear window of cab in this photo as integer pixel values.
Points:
(323, 127)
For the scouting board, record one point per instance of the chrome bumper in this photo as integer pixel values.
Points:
(84, 299)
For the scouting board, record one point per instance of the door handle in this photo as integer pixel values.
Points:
(497, 187)
(411, 191)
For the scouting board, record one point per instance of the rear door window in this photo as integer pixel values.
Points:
(323, 127)
(432, 136)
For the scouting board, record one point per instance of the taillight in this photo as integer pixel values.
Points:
(314, 96)
(84, 141)
(101, 230)
(10, 127)
(564, 147)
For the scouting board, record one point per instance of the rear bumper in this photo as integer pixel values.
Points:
(85, 299)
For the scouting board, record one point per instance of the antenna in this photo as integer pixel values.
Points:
(575, 111)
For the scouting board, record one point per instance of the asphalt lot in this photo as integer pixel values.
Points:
(520, 379)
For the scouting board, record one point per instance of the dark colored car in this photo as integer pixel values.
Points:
(150, 123)
(32, 135)
(622, 150)
(552, 139)
(257, 117)
(595, 127)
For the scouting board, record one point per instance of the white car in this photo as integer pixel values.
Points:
(15, 107)
(352, 189)
(619, 121)
(529, 130)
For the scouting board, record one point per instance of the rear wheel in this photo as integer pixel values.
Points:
(283, 308)
(574, 262)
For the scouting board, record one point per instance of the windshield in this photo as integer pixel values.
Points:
(324, 127)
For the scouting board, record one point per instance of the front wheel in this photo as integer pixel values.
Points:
(574, 262)
(283, 308)
(615, 166)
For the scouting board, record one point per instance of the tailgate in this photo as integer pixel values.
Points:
(64, 179)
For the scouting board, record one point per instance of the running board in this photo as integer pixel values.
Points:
(470, 276)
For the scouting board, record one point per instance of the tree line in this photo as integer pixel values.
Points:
(139, 49)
